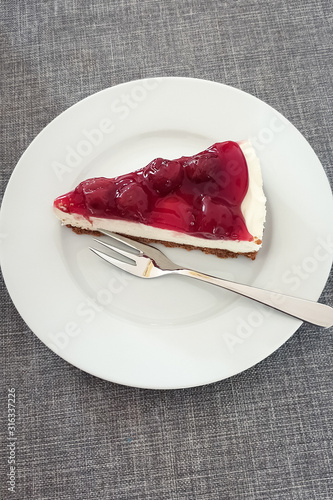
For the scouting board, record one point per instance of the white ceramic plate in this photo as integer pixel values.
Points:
(171, 332)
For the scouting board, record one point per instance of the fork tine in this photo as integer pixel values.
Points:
(130, 255)
(140, 247)
(116, 262)
(159, 259)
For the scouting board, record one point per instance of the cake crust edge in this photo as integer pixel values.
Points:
(222, 254)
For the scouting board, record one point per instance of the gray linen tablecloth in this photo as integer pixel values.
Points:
(263, 434)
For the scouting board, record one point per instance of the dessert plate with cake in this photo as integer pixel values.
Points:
(184, 164)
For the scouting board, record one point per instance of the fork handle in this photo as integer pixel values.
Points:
(306, 310)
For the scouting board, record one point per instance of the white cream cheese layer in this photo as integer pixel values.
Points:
(253, 208)
(254, 204)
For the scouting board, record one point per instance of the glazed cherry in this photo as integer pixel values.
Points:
(215, 218)
(132, 200)
(203, 167)
(173, 213)
(163, 175)
(99, 196)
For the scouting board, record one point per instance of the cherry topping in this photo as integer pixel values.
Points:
(199, 195)
(215, 218)
(174, 213)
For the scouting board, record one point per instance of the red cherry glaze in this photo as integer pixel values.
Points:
(199, 195)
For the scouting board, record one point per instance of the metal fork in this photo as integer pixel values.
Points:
(146, 261)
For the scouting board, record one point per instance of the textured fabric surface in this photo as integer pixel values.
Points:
(264, 434)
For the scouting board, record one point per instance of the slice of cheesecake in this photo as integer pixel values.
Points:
(212, 201)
